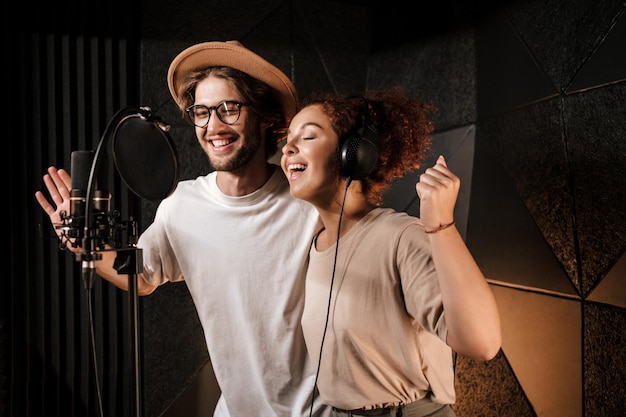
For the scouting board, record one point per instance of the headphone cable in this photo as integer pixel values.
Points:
(330, 294)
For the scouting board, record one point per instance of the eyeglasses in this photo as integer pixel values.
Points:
(227, 111)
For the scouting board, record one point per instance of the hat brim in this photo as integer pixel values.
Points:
(232, 54)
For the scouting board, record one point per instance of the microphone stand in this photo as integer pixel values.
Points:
(129, 261)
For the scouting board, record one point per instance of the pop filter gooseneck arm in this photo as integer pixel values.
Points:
(140, 142)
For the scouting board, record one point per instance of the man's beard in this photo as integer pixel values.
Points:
(243, 156)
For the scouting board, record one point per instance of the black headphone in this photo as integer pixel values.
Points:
(359, 152)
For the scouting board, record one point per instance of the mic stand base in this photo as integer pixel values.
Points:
(129, 261)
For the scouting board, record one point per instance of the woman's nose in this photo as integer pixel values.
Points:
(288, 148)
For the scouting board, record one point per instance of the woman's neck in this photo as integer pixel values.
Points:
(354, 209)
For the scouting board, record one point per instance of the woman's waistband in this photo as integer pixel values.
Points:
(424, 406)
(387, 411)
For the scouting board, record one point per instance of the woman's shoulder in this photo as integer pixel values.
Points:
(392, 216)
(387, 222)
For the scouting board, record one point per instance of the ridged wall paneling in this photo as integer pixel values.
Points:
(67, 81)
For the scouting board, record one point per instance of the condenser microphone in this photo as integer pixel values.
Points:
(80, 170)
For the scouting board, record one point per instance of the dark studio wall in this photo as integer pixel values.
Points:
(532, 117)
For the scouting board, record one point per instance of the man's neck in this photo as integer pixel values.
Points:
(245, 180)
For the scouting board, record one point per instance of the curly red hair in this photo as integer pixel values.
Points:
(402, 122)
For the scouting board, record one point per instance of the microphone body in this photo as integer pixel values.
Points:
(81, 163)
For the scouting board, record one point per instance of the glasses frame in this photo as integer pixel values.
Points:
(210, 111)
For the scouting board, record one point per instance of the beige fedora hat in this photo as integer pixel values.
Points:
(232, 54)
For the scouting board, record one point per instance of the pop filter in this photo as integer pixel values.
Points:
(144, 155)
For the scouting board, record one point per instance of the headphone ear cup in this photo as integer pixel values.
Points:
(359, 153)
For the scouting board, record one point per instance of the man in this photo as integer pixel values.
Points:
(236, 236)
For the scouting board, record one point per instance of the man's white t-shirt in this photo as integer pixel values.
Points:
(244, 261)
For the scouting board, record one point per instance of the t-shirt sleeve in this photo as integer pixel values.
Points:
(159, 261)
(420, 285)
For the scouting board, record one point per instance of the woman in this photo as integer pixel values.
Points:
(388, 296)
